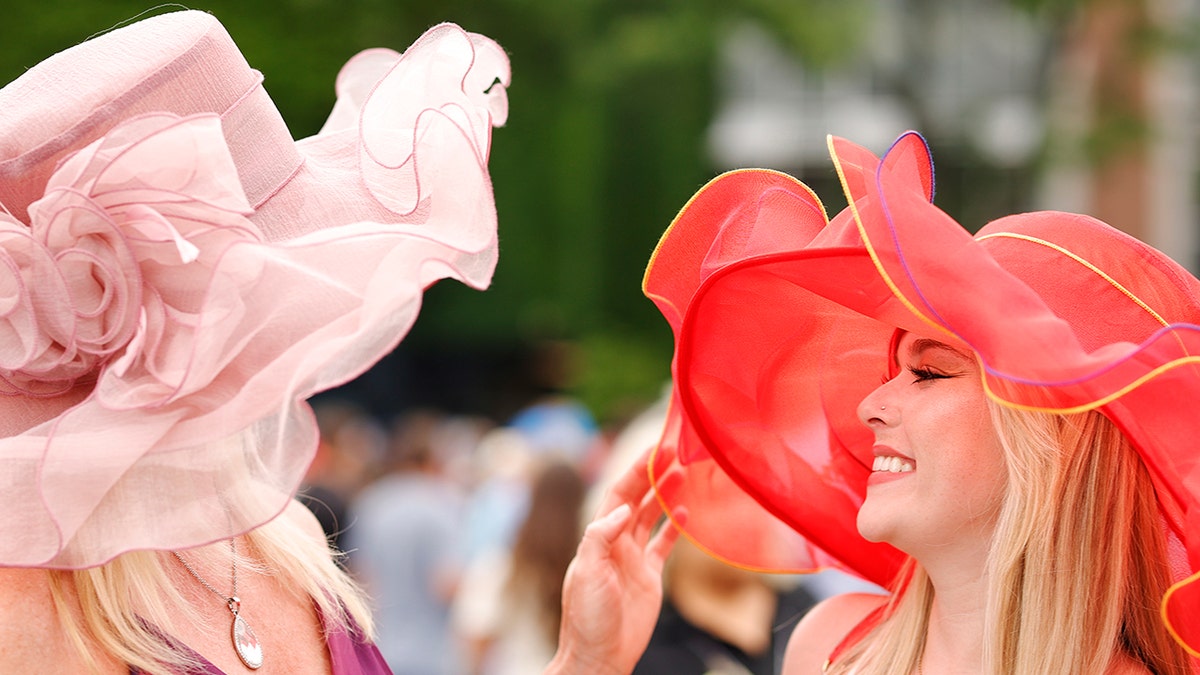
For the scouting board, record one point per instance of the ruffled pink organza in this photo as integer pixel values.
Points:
(782, 324)
(167, 338)
(467, 75)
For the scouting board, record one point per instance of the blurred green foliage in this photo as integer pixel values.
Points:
(609, 105)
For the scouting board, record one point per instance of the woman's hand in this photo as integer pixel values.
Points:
(613, 589)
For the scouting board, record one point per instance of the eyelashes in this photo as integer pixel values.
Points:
(920, 374)
(925, 374)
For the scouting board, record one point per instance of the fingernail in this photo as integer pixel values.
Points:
(619, 513)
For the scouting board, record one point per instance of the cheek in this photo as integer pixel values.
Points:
(982, 473)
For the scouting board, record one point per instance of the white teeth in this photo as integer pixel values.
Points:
(892, 465)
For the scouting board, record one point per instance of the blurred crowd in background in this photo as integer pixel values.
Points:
(461, 528)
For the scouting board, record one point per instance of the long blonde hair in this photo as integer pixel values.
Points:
(114, 609)
(1077, 566)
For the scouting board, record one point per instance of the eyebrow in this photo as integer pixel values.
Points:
(918, 347)
(922, 345)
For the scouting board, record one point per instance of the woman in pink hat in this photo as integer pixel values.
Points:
(177, 276)
(996, 428)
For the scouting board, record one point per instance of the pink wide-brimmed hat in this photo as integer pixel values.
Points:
(783, 320)
(177, 274)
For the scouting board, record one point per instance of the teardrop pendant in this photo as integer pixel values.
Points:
(245, 642)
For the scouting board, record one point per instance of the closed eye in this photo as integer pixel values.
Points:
(925, 374)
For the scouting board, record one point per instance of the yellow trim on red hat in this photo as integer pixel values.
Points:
(1099, 272)
(862, 232)
(1162, 610)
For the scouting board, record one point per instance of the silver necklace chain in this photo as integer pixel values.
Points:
(245, 642)
(231, 599)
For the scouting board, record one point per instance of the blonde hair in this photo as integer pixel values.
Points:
(1077, 566)
(116, 609)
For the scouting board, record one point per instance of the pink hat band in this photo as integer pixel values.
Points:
(162, 72)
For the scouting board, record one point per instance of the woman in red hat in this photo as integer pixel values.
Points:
(996, 428)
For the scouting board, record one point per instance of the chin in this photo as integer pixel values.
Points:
(875, 527)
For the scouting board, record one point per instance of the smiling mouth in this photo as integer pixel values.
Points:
(892, 465)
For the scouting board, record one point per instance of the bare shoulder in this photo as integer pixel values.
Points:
(31, 634)
(822, 629)
(27, 613)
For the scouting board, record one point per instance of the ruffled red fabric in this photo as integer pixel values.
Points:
(782, 325)
(172, 298)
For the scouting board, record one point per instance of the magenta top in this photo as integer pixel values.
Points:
(348, 654)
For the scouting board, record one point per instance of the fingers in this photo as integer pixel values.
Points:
(632, 507)
(660, 546)
(630, 487)
(601, 537)
(633, 485)
(646, 517)
(649, 512)
(605, 530)
(598, 540)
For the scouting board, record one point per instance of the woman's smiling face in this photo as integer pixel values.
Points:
(939, 474)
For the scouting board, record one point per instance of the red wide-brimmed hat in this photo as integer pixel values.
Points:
(783, 319)
(177, 274)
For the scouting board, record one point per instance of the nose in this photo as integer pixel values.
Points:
(874, 409)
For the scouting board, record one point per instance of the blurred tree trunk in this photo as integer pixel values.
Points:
(1116, 32)
(1103, 116)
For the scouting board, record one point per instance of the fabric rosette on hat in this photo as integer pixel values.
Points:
(177, 274)
(783, 321)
